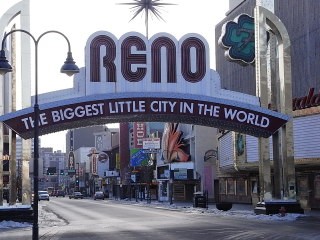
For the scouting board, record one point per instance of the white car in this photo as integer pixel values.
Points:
(43, 195)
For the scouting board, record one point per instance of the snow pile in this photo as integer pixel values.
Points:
(247, 214)
(12, 224)
(46, 218)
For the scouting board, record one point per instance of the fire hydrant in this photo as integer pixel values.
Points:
(282, 211)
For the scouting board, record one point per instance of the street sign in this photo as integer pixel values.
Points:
(150, 150)
(151, 143)
(71, 172)
(133, 177)
(111, 174)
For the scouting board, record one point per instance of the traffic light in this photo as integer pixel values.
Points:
(61, 172)
(77, 180)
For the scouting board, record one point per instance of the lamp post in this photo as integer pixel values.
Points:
(149, 179)
(167, 159)
(78, 177)
(69, 67)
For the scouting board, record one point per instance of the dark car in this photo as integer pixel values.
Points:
(98, 195)
(60, 193)
(76, 195)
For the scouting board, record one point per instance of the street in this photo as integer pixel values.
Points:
(109, 219)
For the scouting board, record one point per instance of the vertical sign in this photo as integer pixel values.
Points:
(71, 141)
(117, 161)
(94, 163)
(139, 133)
(71, 160)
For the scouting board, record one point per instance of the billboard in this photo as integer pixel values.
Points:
(138, 157)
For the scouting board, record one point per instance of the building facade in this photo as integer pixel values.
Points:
(52, 165)
(82, 137)
(238, 154)
(15, 14)
(178, 176)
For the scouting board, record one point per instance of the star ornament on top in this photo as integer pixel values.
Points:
(146, 6)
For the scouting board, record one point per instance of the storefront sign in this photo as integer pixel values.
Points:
(310, 100)
(6, 157)
(180, 174)
(151, 143)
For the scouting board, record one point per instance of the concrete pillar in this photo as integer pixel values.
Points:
(2, 79)
(13, 170)
(289, 174)
(1, 141)
(264, 170)
(12, 135)
(264, 19)
(262, 91)
(26, 184)
(275, 105)
(1, 162)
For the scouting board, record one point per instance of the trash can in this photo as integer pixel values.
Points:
(199, 200)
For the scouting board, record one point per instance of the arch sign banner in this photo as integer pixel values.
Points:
(160, 79)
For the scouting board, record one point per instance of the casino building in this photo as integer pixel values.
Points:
(238, 163)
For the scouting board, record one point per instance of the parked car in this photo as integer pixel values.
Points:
(98, 195)
(76, 195)
(43, 195)
(60, 193)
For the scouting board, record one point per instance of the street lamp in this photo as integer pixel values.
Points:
(149, 178)
(78, 177)
(69, 67)
(167, 159)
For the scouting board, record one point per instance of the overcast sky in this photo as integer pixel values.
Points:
(79, 19)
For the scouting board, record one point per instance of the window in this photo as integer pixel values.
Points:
(222, 186)
(317, 187)
(254, 187)
(230, 186)
(241, 187)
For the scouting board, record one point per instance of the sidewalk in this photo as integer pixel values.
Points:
(180, 205)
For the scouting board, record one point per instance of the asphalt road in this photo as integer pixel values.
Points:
(108, 220)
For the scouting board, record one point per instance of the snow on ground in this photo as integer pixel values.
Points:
(12, 224)
(234, 212)
(46, 218)
(49, 219)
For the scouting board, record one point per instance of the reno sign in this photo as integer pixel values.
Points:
(135, 79)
